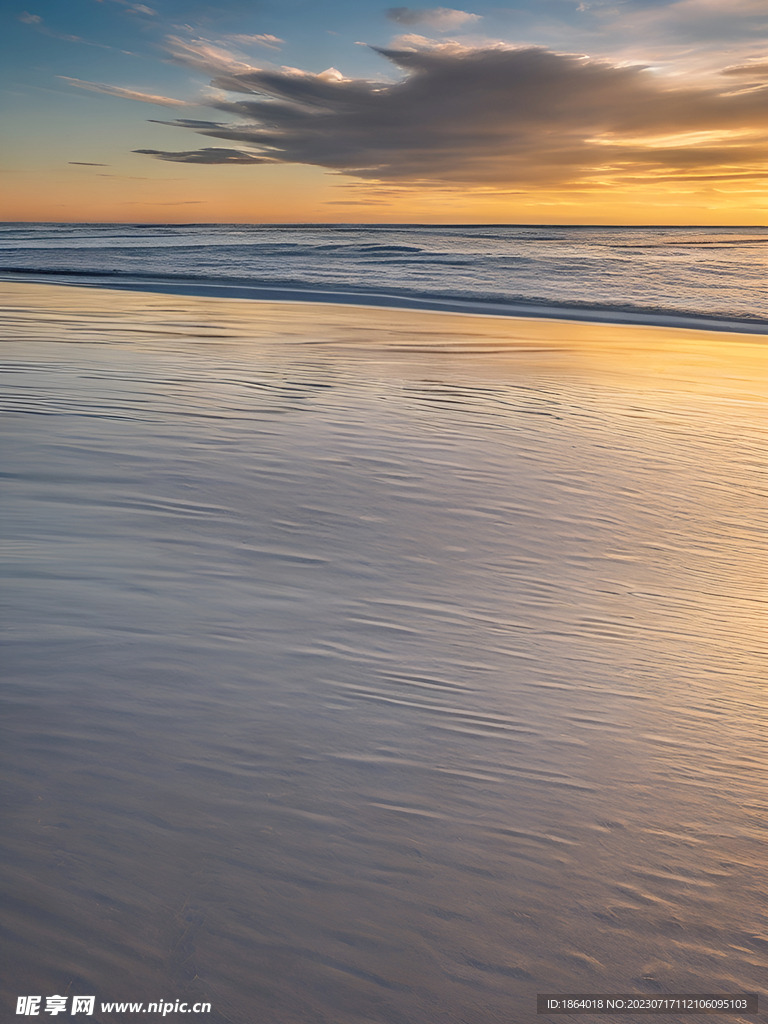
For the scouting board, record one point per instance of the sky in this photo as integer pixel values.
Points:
(338, 111)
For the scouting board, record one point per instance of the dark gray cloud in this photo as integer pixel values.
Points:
(85, 163)
(188, 122)
(495, 116)
(206, 156)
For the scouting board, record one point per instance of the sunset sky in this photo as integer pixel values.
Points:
(545, 111)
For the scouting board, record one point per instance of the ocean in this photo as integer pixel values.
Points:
(628, 274)
(377, 665)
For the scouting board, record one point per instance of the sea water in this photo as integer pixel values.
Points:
(653, 273)
(371, 666)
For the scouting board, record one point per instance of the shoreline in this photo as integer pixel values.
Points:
(460, 346)
(253, 292)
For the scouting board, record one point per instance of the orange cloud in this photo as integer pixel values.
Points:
(128, 94)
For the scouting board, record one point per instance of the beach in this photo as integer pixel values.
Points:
(369, 664)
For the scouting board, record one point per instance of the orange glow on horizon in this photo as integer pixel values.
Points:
(295, 194)
(136, 188)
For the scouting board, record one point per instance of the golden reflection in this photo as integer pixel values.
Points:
(647, 358)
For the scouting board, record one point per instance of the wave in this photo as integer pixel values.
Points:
(288, 290)
(719, 242)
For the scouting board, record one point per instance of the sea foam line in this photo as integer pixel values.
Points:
(253, 291)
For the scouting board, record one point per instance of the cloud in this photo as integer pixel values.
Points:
(135, 8)
(188, 122)
(698, 20)
(207, 156)
(495, 117)
(443, 19)
(413, 42)
(754, 69)
(39, 25)
(356, 202)
(37, 22)
(695, 38)
(84, 163)
(128, 94)
(261, 40)
(204, 55)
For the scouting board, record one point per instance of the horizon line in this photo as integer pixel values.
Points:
(370, 224)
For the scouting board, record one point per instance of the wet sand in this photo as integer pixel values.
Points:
(369, 665)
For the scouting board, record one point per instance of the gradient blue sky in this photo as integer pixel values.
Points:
(568, 111)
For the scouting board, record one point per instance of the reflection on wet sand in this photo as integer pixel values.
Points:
(366, 665)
